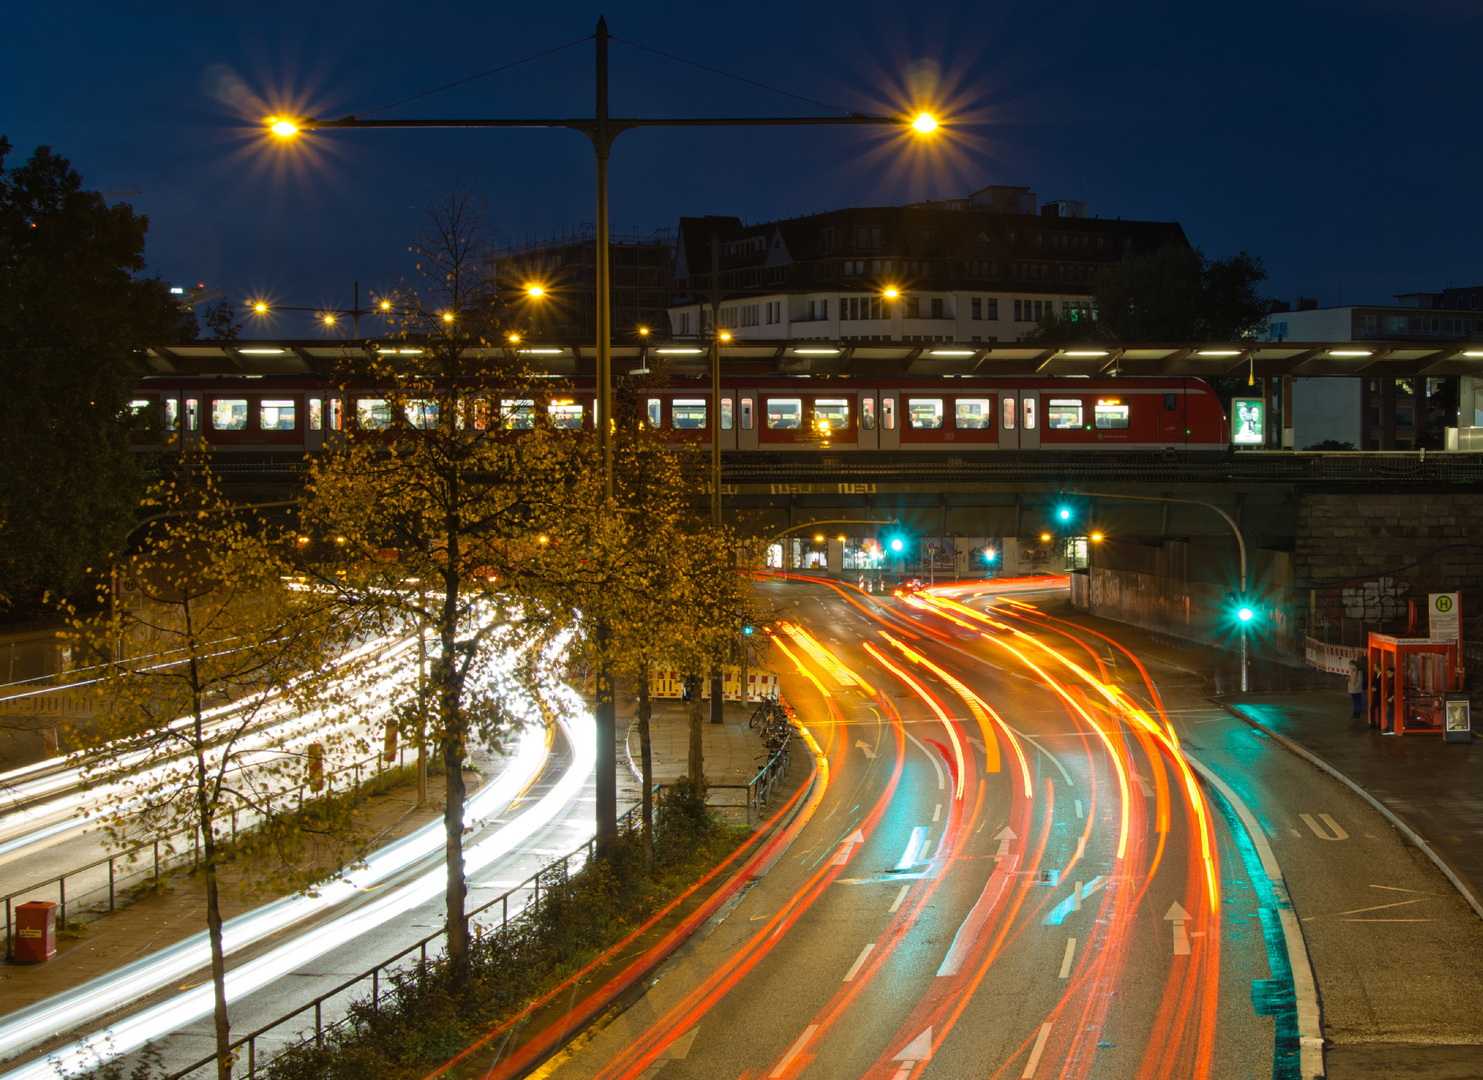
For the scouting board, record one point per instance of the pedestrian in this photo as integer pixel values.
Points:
(1375, 699)
(1356, 689)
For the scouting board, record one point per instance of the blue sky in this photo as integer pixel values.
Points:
(1335, 138)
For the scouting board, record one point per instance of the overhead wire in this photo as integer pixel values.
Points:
(472, 78)
(738, 78)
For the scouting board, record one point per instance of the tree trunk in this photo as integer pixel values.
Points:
(697, 733)
(213, 932)
(646, 768)
(606, 717)
(458, 922)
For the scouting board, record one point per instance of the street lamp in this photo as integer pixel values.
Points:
(603, 129)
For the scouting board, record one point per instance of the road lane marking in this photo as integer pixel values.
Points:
(1066, 960)
(859, 963)
(1004, 836)
(679, 1050)
(1081, 845)
(1397, 888)
(913, 848)
(1382, 907)
(1338, 832)
(1058, 914)
(937, 812)
(1034, 1062)
(1178, 916)
(919, 1049)
(782, 1067)
(900, 896)
(1053, 759)
(972, 924)
(1076, 898)
(863, 745)
(847, 848)
(1078, 809)
(936, 764)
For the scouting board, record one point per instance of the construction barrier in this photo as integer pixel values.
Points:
(666, 682)
(1333, 658)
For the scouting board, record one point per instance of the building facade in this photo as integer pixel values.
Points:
(1380, 413)
(985, 268)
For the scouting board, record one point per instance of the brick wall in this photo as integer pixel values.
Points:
(1364, 556)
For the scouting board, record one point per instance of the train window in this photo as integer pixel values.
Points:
(1170, 403)
(656, 413)
(565, 414)
(316, 414)
(229, 414)
(276, 414)
(172, 414)
(192, 414)
(831, 414)
(974, 413)
(473, 406)
(784, 412)
(1111, 413)
(1008, 411)
(336, 418)
(517, 414)
(421, 413)
(888, 413)
(924, 412)
(867, 413)
(372, 414)
(746, 414)
(726, 419)
(687, 414)
(1029, 414)
(1063, 414)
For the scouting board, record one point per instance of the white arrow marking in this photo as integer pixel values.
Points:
(919, 1049)
(680, 1048)
(1338, 832)
(808, 1033)
(847, 848)
(1034, 1062)
(1143, 783)
(913, 848)
(863, 745)
(1004, 836)
(1178, 916)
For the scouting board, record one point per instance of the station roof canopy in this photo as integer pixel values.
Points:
(878, 359)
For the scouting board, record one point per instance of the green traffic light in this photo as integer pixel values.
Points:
(1245, 614)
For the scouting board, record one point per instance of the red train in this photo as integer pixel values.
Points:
(287, 413)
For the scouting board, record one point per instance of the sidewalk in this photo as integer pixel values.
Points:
(734, 753)
(1436, 788)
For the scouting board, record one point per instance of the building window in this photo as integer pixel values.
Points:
(192, 414)
(854, 267)
(974, 414)
(1405, 416)
(975, 308)
(867, 238)
(913, 307)
(229, 414)
(924, 413)
(1063, 414)
(991, 308)
(860, 307)
(937, 307)
(684, 322)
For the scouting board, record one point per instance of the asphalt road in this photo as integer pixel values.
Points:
(1011, 872)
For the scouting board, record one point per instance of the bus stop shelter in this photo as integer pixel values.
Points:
(1415, 677)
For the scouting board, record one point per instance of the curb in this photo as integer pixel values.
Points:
(1305, 986)
(1406, 830)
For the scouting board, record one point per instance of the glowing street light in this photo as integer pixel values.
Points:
(535, 292)
(260, 307)
(890, 292)
(284, 129)
(1245, 613)
(386, 305)
(925, 123)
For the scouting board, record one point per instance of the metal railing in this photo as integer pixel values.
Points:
(561, 868)
(171, 858)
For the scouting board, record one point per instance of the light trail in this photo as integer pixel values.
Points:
(64, 1012)
(947, 721)
(842, 674)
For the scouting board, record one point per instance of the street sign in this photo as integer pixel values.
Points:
(1445, 615)
(1248, 422)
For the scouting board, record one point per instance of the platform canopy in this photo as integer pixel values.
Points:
(867, 359)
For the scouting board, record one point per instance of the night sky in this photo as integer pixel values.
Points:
(1335, 138)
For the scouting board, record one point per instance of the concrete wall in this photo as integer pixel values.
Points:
(1360, 558)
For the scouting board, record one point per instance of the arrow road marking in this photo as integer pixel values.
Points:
(847, 848)
(863, 745)
(919, 1049)
(1178, 916)
(1034, 1062)
(1338, 832)
(1004, 836)
(913, 848)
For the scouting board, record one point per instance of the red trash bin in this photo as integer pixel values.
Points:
(36, 932)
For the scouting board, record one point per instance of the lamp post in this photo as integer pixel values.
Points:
(602, 129)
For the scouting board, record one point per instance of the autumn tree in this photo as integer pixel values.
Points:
(431, 504)
(213, 680)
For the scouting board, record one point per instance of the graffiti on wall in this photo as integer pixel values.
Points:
(1375, 601)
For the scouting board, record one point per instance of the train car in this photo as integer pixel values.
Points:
(247, 413)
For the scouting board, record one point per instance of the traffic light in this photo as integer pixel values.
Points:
(1063, 515)
(749, 629)
(897, 545)
(1245, 614)
(1242, 610)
